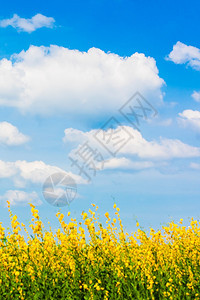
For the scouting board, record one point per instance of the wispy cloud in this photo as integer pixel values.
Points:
(125, 163)
(196, 96)
(28, 25)
(19, 197)
(195, 166)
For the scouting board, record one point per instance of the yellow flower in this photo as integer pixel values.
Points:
(118, 283)
(85, 216)
(61, 218)
(14, 218)
(107, 215)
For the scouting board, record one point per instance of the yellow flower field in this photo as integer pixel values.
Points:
(85, 260)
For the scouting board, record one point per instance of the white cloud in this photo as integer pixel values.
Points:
(7, 169)
(21, 198)
(195, 166)
(35, 172)
(196, 96)
(50, 80)
(163, 149)
(28, 25)
(10, 135)
(183, 54)
(124, 163)
(190, 118)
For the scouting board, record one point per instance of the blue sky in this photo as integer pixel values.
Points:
(55, 94)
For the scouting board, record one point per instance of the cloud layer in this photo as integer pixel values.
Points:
(183, 54)
(164, 149)
(36, 172)
(21, 198)
(125, 163)
(28, 25)
(50, 80)
(11, 136)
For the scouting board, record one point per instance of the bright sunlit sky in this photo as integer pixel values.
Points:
(66, 68)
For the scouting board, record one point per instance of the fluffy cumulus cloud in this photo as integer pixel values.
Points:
(183, 54)
(28, 25)
(36, 172)
(196, 96)
(136, 146)
(50, 80)
(19, 197)
(190, 118)
(11, 136)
